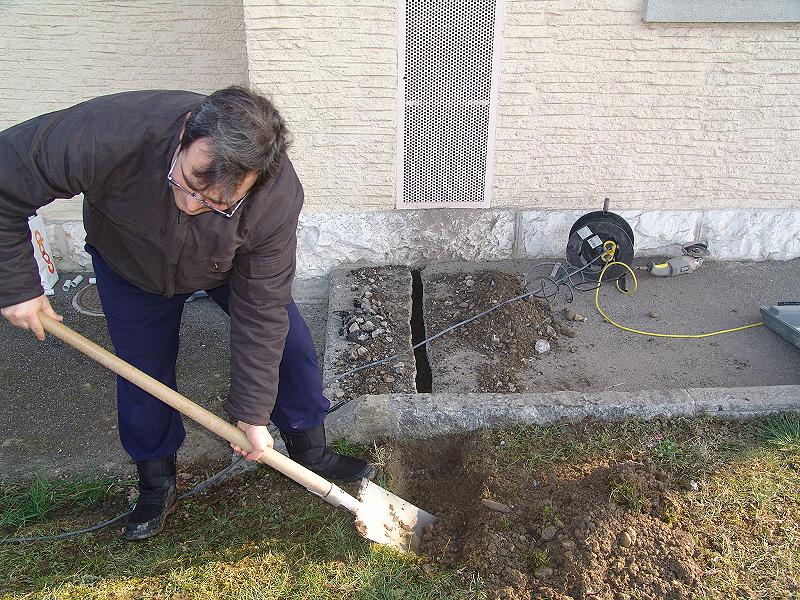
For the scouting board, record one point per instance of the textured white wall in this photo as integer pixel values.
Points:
(56, 53)
(593, 102)
(331, 67)
(596, 103)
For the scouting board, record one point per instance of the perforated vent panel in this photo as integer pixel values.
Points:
(447, 83)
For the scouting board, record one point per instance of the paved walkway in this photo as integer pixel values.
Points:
(60, 415)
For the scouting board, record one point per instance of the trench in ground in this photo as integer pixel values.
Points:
(424, 379)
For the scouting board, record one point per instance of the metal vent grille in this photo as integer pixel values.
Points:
(447, 84)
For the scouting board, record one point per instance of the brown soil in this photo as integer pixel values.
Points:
(595, 532)
(505, 338)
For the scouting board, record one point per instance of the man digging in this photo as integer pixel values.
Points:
(182, 193)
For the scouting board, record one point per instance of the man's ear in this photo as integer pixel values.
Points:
(183, 127)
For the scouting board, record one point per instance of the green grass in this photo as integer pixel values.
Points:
(43, 496)
(628, 496)
(260, 536)
(682, 447)
(345, 446)
(782, 432)
(548, 517)
(537, 558)
(745, 514)
(747, 518)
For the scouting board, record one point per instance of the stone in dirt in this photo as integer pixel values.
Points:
(360, 298)
(548, 533)
(493, 505)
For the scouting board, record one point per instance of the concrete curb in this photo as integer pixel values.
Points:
(396, 416)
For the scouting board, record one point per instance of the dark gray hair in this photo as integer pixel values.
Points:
(245, 133)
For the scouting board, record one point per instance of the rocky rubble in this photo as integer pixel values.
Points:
(370, 320)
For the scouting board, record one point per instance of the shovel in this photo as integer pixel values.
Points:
(381, 516)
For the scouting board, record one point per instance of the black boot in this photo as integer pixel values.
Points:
(309, 449)
(156, 498)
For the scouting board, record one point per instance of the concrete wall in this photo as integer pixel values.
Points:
(330, 239)
(55, 54)
(593, 102)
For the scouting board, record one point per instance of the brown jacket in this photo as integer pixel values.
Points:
(117, 150)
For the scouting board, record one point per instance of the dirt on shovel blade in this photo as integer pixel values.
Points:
(388, 519)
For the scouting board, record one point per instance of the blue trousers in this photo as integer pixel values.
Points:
(144, 329)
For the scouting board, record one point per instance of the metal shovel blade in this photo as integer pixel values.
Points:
(388, 519)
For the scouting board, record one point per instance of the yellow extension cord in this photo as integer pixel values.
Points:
(609, 252)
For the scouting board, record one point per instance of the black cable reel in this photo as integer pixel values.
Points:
(586, 244)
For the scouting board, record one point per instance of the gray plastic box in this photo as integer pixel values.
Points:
(784, 319)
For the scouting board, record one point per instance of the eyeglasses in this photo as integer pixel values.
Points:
(204, 201)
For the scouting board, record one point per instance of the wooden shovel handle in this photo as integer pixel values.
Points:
(273, 458)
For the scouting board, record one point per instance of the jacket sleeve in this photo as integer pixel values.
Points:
(260, 290)
(42, 159)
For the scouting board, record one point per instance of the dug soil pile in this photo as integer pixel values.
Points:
(596, 531)
(499, 351)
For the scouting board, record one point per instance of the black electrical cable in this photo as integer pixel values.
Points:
(544, 282)
(566, 280)
(68, 534)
